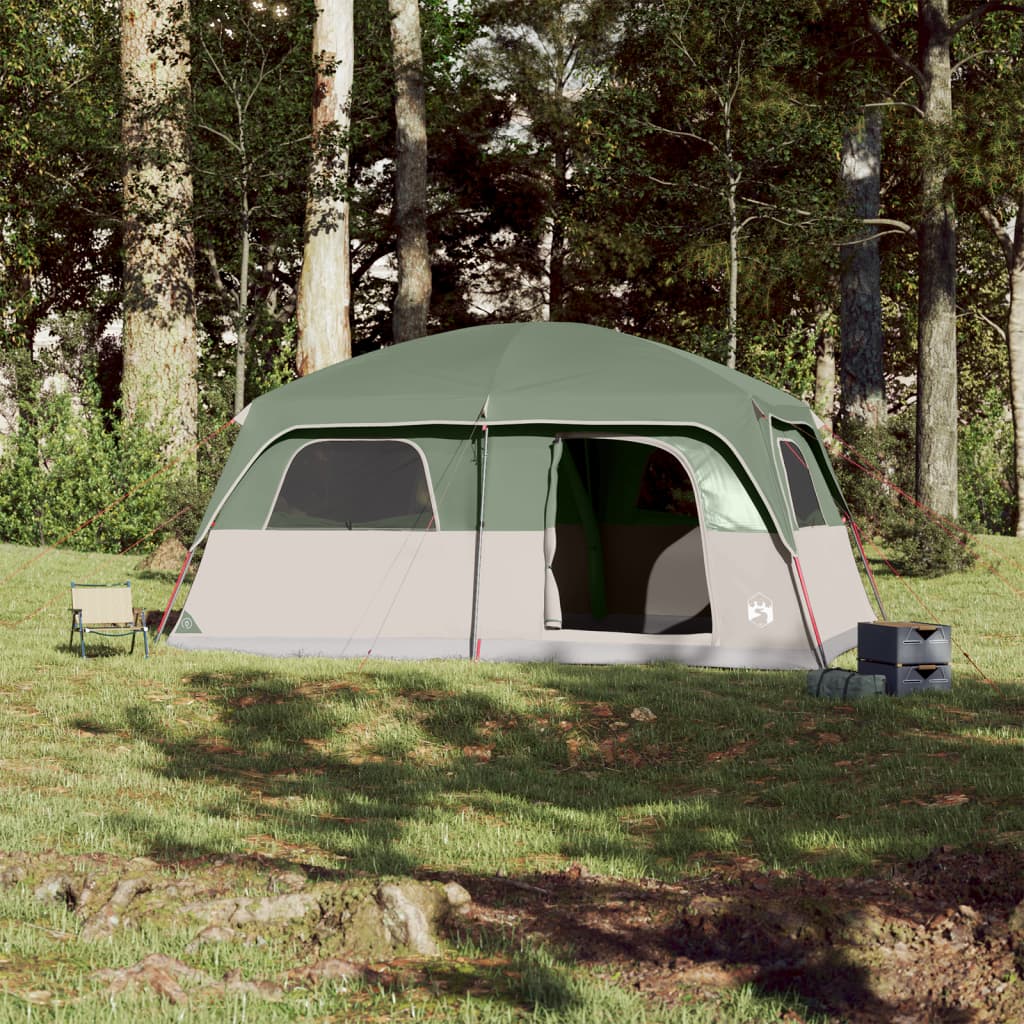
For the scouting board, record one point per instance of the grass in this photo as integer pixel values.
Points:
(476, 769)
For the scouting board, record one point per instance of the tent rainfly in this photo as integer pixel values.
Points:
(528, 492)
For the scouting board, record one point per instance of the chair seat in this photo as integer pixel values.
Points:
(106, 609)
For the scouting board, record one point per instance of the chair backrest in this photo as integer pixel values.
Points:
(103, 604)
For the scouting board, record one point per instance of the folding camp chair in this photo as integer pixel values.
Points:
(106, 610)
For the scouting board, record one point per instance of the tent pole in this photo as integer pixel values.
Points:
(474, 640)
(867, 568)
(174, 594)
(810, 612)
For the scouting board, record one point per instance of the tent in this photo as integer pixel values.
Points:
(528, 492)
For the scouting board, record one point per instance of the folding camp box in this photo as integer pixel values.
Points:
(901, 680)
(904, 643)
(913, 656)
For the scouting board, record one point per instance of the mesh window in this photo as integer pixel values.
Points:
(354, 485)
(801, 486)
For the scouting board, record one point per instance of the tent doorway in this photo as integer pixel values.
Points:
(628, 552)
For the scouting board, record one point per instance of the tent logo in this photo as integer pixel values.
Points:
(760, 611)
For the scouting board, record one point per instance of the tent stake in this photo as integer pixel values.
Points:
(474, 642)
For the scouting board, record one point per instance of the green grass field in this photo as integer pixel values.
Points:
(393, 768)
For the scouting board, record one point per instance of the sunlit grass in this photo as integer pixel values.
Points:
(477, 769)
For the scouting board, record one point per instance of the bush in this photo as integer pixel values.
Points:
(987, 496)
(65, 475)
(917, 543)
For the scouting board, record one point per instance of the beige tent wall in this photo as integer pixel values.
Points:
(270, 589)
(834, 585)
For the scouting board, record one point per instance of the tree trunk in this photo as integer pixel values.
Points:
(242, 306)
(1015, 343)
(324, 299)
(937, 403)
(556, 252)
(734, 273)
(862, 380)
(825, 373)
(412, 303)
(160, 352)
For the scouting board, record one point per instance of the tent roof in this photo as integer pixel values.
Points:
(546, 373)
(527, 373)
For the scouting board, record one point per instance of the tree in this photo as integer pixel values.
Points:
(160, 351)
(937, 396)
(59, 175)
(250, 99)
(542, 55)
(412, 303)
(937, 403)
(993, 181)
(715, 157)
(324, 301)
(862, 381)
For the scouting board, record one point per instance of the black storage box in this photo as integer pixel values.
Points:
(903, 643)
(901, 680)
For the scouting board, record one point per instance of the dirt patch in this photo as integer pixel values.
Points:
(168, 556)
(940, 939)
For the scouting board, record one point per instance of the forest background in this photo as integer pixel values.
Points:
(827, 196)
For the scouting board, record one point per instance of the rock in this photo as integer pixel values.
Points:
(287, 881)
(277, 909)
(60, 887)
(334, 969)
(459, 899)
(1015, 927)
(215, 933)
(13, 875)
(405, 916)
(394, 918)
(112, 914)
(157, 971)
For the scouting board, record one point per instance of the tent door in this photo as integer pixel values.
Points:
(623, 540)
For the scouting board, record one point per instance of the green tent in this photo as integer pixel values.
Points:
(528, 491)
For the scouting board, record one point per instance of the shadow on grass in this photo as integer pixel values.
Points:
(719, 771)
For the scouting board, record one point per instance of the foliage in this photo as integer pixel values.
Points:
(782, 352)
(66, 476)
(59, 164)
(987, 498)
(704, 130)
(606, 131)
(251, 94)
(876, 473)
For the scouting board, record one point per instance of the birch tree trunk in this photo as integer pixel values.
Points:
(1011, 241)
(1015, 343)
(159, 387)
(412, 303)
(862, 386)
(937, 402)
(323, 306)
(825, 371)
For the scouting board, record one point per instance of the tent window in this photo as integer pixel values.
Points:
(354, 485)
(801, 486)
